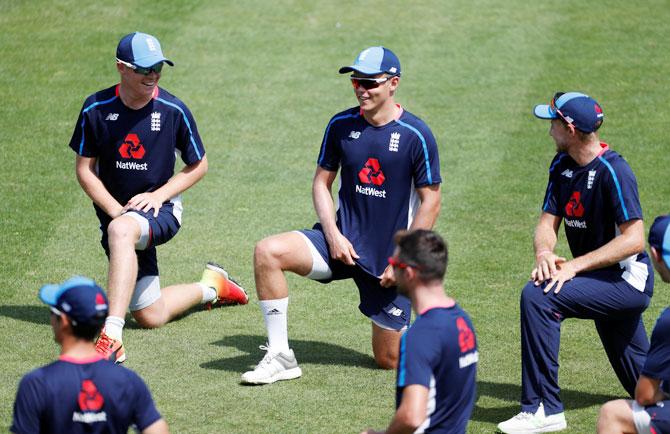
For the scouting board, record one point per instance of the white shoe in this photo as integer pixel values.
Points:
(273, 367)
(525, 423)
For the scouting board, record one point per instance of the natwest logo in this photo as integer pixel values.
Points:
(89, 397)
(371, 173)
(574, 207)
(131, 147)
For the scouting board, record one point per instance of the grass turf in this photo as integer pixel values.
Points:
(261, 81)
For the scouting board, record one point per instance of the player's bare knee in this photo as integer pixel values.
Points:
(267, 253)
(386, 360)
(121, 231)
(150, 320)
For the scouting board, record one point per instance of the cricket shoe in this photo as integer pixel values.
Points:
(273, 367)
(228, 291)
(110, 349)
(525, 423)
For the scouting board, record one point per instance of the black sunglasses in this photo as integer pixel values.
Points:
(368, 83)
(157, 68)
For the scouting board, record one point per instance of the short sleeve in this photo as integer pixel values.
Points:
(550, 202)
(28, 406)
(657, 365)
(331, 153)
(425, 159)
(418, 351)
(83, 138)
(145, 412)
(622, 187)
(188, 139)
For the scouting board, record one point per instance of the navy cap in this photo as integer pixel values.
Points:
(141, 50)
(575, 108)
(80, 298)
(373, 61)
(659, 237)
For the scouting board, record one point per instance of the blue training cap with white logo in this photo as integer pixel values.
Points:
(575, 108)
(373, 61)
(141, 49)
(659, 237)
(80, 298)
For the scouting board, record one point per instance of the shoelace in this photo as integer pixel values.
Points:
(268, 355)
(524, 416)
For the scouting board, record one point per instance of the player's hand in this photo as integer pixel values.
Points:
(145, 202)
(388, 277)
(565, 272)
(545, 267)
(342, 249)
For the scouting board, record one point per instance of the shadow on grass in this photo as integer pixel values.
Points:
(572, 400)
(320, 353)
(35, 314)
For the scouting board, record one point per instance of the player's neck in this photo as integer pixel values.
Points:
(382, 115)
(428, 297)
(584, 153)
(74, 348)
(131, 99)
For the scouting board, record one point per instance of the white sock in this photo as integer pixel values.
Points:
(274, 312)
(114, 327)
(208, 293)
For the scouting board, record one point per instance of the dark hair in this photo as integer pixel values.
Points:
(425, 250)
(87, 331)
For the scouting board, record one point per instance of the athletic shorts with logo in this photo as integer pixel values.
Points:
(384, 306)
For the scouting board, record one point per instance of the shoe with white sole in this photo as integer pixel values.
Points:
(273, 367)
(526, 423)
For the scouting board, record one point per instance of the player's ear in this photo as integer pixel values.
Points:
(655, 254)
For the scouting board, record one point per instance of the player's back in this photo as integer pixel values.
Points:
(82, 397)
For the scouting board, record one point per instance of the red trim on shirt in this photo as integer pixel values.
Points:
(82, 361)
(605, 147)
(116, 89)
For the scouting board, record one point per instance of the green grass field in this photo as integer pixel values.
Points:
(261, 79)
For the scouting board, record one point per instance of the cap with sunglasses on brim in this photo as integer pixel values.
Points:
(577, 109)
(659, 237)
(80, 298)
(141, 49)
(373, 61)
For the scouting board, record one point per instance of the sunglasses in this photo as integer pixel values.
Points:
(368, 83)
(555, 109)
(157, 68)
(397, 263)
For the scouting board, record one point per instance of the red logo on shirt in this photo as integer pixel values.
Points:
(131, 147)
(466, 339)
(574, 207)
(371, 173)
(89, 397)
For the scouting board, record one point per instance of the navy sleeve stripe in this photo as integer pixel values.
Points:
(188, 125)
(618, 187)
(402, 368)
(551, 169)
(425, 149)
(83, 120)
(546, 203)
(325, 136)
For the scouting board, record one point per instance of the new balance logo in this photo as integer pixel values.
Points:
(112, 117)
(155, 121)
(274, 311)
(567, 173)
(393, 143)
(395, 311)
(354, 134)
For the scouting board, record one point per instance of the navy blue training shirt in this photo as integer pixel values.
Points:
(94, 396)
(657, 365)
(439, 351)
(380, 168)
(593, 201)
(136, 149)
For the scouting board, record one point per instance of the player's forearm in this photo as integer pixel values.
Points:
(428, 211)
(629, 243)
(325, 208)
(545, 239)
(96, 191)
(648, 391)
(183, 180)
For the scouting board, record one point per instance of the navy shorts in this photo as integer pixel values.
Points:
(384, 306)
(154, 231)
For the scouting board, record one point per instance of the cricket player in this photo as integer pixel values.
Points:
(81, 392)
(436, 379)
(649, 412)
(127, 139)
(389, 180)
(593, 192)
